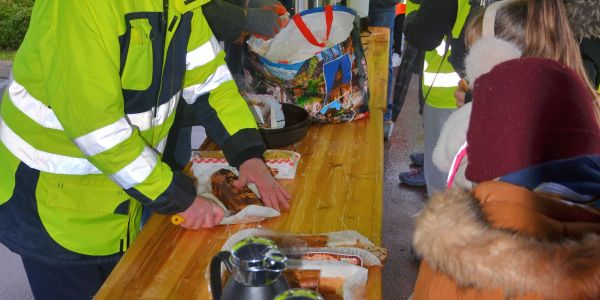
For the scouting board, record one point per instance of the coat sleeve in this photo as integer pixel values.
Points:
(426, 27)
(210, 89)
(84, 91)
(226, 19)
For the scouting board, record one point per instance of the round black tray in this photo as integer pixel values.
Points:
(297, 122)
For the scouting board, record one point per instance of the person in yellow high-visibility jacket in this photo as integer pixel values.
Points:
(432, 28)
(84, 121)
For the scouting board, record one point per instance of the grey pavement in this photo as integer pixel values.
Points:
(401, 203)
(5, 67)
(13, 281)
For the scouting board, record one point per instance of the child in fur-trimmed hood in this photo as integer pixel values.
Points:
(504, 240)
(511, 29)
(532, 120)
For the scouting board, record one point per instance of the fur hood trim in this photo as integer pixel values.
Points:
(486, 53)
(452, 136)
(584, 16)
(452, 237)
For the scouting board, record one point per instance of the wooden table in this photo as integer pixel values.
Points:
(338, 186)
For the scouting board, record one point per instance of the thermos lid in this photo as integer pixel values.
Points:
(299, 294)
(257, 254)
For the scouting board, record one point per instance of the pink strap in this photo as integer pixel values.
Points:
(462, 152)
(308, 35)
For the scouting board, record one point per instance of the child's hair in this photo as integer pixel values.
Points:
(540, 28)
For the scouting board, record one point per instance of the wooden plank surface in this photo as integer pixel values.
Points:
(338, 186)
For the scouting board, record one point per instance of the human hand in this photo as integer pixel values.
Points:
(271, 192)
(273, 5)
(460, 97)
(203, 213)
(264, 23)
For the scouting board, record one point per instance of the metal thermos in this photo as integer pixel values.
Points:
(256, 267)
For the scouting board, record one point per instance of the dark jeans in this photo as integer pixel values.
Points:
(52, 282)
(385, 18)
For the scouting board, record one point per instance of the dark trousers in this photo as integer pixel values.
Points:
(53, 282)
(412, 62)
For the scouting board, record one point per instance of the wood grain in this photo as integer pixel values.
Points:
(338, 186)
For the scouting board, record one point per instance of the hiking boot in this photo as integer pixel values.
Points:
(415, 178)
(417, 158)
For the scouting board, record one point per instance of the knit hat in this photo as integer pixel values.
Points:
(528, 111)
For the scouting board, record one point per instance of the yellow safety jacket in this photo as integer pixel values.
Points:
(439, 86)
(84, 121)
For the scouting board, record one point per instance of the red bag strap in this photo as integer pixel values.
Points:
(308, 35)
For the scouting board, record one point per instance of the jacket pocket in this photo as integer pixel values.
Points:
(138, 69)
(81, 213)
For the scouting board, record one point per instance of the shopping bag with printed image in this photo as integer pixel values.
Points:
(316, 62)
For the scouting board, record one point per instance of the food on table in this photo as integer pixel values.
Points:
(328, 256)
(338, 280)
(332, 288)
(233, 198)
(380, 252)
(307, 279)
(298, 241)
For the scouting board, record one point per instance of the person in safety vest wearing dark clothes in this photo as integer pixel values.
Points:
(84, 121)
(436, 28)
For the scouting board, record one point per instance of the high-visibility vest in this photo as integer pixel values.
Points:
(92, 97)
(439, 78)
(411, 6)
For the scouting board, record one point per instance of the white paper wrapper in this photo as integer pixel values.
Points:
(347, 238)
(355, 277)
(283, 164)
(368, 258)
(250, 214)
(267, 111)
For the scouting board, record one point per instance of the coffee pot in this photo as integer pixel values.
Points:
(256, 267)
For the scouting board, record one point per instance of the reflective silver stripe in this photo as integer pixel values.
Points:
(203, 54)
(441, 80)
(441, 48)
(43, 115)
(134, 173)
(138, 170)
(41, 160)
(220, 75)
(35, 109)
(160, 147)
(104, 138)
(146, 120)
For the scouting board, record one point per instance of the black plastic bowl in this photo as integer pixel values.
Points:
(297, 122)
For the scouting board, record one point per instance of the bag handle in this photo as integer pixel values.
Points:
(308, 35)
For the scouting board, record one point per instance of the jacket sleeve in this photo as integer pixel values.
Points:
(426, 27)
(84, 90)
(210, 89)
(226, 19)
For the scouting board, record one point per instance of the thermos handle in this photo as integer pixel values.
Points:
(215, 273)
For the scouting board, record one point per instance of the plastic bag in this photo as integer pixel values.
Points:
(316, 62)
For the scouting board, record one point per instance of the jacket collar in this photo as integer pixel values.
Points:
(183, 6)
(453, 237)
(580, 174)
